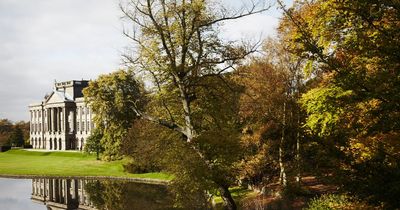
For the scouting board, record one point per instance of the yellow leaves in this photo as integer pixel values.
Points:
(308, 68)
(363, 149)
(360, 151)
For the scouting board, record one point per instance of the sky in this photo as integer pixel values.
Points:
(42, 41)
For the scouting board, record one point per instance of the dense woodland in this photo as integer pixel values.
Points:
(321, 99)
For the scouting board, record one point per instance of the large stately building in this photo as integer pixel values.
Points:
(62, 121)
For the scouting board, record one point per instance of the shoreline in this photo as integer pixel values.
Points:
(131, 179)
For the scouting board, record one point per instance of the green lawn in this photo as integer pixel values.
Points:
(23, 162)
(238, 194)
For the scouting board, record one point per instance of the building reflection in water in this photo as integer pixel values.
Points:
(81, 194)
(61, 193)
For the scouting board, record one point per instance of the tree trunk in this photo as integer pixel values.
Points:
(298, 157)
(229, 203)
(298, 168)
(189, 129)
(282, 174)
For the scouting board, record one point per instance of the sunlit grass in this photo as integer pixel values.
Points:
(23, 162)
(238, 193)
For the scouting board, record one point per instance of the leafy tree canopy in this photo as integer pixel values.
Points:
(112, 98)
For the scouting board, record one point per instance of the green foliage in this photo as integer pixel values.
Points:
(334, 201)
(112, 98)
(93, 143)
(353, 46)
(179, 49)
(16, 137)
(143, 144)
(13, 134)
(324, 108)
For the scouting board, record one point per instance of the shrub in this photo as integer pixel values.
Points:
(140, 167)
(334, 201)
(4, 148)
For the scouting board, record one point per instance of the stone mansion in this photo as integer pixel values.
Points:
(62, 121)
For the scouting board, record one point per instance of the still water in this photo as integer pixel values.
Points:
(42, 194)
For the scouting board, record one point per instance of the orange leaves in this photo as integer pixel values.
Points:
(264, 90)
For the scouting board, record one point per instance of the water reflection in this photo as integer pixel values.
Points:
(99, 194)
(15, 194)
(61, 193)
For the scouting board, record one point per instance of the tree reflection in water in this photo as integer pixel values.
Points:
(123, 195)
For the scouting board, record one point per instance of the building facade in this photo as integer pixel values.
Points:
(62, 121)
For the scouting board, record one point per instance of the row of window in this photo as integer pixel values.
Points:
(83, 110)
(38, 113)
(36, 127)
(81, 126)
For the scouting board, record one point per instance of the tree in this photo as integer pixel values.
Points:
(25, 128)
(178, 49)
(16, 137)
(112, 98)
(262, 113)
(270, 115)
(5, 130)
(352, 52)
(93, 143)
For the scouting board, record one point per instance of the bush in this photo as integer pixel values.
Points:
(4, 148)
(140, 167)
(28, 146)
(333, 201)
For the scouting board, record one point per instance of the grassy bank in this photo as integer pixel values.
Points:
(23, 162)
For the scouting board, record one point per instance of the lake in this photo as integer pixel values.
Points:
(50, 193)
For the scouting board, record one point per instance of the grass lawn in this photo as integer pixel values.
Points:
(238, 194)
(23, 162)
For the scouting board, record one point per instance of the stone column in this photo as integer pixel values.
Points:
(51, 120)
(58, 119)
(62, 119)
(48, 120)
(55, 119)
